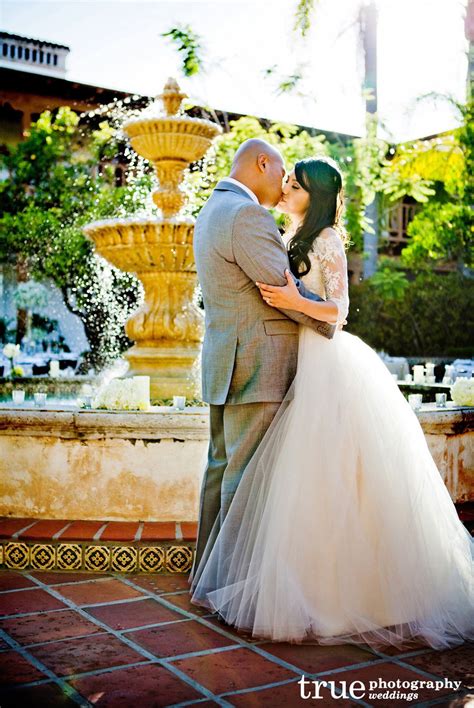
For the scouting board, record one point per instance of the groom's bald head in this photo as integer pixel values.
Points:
(250, 150)
(259, 166)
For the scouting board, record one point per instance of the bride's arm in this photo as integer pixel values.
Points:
(332, 258)
(290, 298)
(327, 311)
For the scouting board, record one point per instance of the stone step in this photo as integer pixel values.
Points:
(95, 546)
(111, 546)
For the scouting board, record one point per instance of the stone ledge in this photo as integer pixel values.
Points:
(447, 421)
(98, 530)
(161, 422)
(158, 424)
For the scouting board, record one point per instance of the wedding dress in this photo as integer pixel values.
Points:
(341, 529)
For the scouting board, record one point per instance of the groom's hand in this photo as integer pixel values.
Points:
(286, 296)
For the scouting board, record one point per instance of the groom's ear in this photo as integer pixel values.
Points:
(262, 160)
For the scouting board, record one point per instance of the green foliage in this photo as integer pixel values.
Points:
(363, 162)
(397, 187)
(289, 83)
(418, 165)
(303, 12)
(390, 282)
(51, 192)
(444, 229)
(435, 316)
(465, 135)
(441, 232)
(188, 43)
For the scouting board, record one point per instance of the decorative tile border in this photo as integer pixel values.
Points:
(68, 556)
(16, 555)
(152, 559)
(97, 557)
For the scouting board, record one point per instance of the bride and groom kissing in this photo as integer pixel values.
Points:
(323, 517)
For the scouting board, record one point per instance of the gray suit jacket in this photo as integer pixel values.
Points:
(250, 349)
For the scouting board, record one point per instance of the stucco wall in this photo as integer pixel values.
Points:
(149, 466)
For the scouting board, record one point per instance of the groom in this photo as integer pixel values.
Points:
(250, 349)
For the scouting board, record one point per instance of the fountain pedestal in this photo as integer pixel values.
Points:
(173, 370)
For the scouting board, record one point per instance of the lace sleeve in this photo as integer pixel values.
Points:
(331, 254)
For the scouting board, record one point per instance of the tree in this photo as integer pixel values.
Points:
(53, 189)
(189, 46)
(444, 229)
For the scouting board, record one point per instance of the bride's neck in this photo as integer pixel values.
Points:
(293, 224)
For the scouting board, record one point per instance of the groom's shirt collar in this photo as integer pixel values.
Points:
(242, 186)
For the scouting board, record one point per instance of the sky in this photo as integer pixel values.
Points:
(117, 44)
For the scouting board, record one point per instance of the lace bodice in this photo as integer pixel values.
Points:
(328, 275)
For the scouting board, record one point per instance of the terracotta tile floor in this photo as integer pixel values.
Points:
(117, 641)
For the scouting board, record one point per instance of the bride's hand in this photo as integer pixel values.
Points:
(285, 296)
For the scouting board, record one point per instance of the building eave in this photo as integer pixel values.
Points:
(32, 40)
(30, 83)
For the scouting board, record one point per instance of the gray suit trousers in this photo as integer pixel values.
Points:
(236, 432)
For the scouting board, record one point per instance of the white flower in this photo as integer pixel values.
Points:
(121, 394)
(462, 392)
(11, 350)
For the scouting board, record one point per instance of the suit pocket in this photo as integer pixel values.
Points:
(280, 326)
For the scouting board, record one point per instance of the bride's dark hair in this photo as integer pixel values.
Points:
(322, 179)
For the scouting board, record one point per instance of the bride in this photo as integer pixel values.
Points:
(341, 529)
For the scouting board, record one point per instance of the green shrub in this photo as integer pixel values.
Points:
(433, 316)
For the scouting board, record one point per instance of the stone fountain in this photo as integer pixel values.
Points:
(168, 328)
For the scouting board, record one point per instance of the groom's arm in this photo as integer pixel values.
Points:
(260, 252)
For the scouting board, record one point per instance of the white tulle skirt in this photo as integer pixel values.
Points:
(342, 529)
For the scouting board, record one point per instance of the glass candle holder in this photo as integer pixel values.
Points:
(18, 396)
(440, 400)
(419, 374)
(40, 398)
(179, 402)
(54, 368)
(415, 400)
(449, 371)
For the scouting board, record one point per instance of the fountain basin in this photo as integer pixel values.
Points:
(177, 138)
(145, 245)
(85, 464)
(90, 464)
(168, 328)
